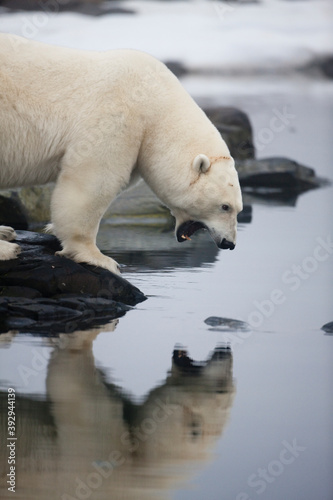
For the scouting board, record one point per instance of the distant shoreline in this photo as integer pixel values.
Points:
(88, 7)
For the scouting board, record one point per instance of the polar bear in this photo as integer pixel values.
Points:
(95, 123)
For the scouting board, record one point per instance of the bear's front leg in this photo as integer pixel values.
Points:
(77, 207)
(83, 249)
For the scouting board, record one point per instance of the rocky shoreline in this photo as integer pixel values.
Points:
(40, 291)
(94, 8)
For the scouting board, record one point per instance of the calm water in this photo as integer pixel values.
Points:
(105, 414)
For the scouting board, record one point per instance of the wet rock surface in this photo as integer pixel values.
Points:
(235, 128)
(322, 66)
(328, 328)
(30, 204)
(226, 324)
(277, 173)
(13, 212)
(40, 290)
(52, 316)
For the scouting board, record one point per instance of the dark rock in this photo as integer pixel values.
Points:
(327, 66)
(328, 327)
(138, 205)
(51, 316)
(226, 324)
(38, 268)
(33, 201)
(245, 216)
(177, 68)
(235, 128)
(321, 66)
(271, 197)
(277, 173)
(13, 212)
(20, 291)
(52, 290)
(87, 7)
(38, 311)
(16, 323)
(275, 177)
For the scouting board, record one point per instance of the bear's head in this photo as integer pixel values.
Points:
(212, 201)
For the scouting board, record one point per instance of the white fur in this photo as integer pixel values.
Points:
(201, 164)
(8, 250)
(7, 233)
(95, 122)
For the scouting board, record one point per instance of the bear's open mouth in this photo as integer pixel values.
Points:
(186, 229)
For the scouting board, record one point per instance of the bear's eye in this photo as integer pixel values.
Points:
(225, 208)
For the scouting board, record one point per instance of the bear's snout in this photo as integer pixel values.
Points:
(225, 244)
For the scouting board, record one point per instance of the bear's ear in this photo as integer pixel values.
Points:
(201, 163)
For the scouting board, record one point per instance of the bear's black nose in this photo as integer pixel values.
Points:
(227, 244)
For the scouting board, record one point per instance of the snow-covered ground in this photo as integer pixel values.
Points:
(268, 36)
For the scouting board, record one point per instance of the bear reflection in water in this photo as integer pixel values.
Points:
(89, 440)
